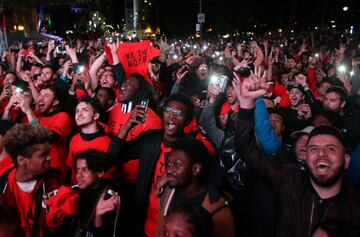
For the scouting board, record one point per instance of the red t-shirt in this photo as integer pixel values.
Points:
(6, 164)
(59, 123)
(117, 118)
(78, 144)
(191, 127)
(152, 213)
(25, 204)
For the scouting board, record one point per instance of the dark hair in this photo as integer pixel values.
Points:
(96, 161)
(195, 151)
(38, 64)
(110, 92)
(92, 101)
(5, 125)
(185, 100)
(195, 65)
(145, 89)
(276, 111)
(196, 216)
(23, 138)
(339, 91)
(334, 118)
(326, 130)
(16, 78)
(49, 66)
(56, 91)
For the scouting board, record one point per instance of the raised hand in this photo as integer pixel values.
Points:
(301, 79)
(251, 88)
(135, 118)
(304, 111)
(103, 206)
(302, 48)
(181, 73)
(161, 182)
(213, 92)
(341, 49)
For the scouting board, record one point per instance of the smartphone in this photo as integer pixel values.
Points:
(14, 50)
(110, 40)
(184, 69)
(219, 80)
(18, 91)
(144, 104)
(80, 69)
(52, 42)
(8, 87)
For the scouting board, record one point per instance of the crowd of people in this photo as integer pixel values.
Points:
(225, 137)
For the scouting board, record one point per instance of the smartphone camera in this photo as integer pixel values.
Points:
(110, 40)
(220, 81)
(144, 104)
(80, 69)
(18, 90)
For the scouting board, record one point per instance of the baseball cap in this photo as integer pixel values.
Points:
(297, 134)
(295, 86)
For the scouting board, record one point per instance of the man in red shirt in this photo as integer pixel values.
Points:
(134, 90)
(24, 187)
(151, 147)
(49, 114)
(91, 135)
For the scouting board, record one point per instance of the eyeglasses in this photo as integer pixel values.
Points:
(174, 112)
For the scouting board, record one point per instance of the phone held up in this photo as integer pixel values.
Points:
(144, 104)
(220, 81)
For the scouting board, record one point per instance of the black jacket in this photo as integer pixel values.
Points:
(301, 209)
(146, 147)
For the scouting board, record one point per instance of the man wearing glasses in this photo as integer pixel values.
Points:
(151, 148)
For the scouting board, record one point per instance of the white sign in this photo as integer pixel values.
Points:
(201, 17)
(197, 27)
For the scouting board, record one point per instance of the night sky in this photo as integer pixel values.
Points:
(178, 17)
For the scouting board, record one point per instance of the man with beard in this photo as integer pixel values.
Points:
(24, 187)
(150, 147)
(335, 100)
(306, 199)
(50, 115)
(298, 112)
(188, 168)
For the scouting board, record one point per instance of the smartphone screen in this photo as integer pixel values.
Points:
(144, 104)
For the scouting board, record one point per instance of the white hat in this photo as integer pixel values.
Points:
(306, 130)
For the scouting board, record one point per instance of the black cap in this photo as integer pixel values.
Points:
(295, 86)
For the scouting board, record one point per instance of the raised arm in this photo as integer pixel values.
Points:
(250, 89)
(207, 118)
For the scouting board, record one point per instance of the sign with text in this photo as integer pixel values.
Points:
(134, 57)
(201, 17)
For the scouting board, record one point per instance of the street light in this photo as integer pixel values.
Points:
(346, 8)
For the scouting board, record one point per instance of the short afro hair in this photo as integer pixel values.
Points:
(96, 161)
(23, 138)
(197, 217)
(185, 100)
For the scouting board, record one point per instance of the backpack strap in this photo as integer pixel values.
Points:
(3, 179)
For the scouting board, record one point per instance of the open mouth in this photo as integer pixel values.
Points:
(322, 166)
(171, 125)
